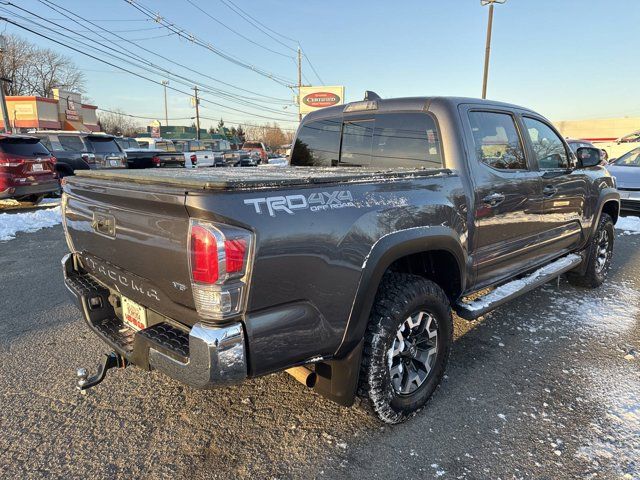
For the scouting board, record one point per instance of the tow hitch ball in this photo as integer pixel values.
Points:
(111, 360)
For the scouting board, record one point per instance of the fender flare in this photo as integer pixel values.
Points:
(606, 195)
(384, 252)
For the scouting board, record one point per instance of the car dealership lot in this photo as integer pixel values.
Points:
(548, 384)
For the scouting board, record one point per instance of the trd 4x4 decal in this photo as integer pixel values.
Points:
(314, 202)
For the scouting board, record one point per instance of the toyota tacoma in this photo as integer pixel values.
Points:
(344, 268)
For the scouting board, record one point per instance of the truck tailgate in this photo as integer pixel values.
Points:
(133, 239)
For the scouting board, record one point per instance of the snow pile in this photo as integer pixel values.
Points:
(10, 224)
(629, 225)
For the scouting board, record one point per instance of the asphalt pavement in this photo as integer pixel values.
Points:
(545, 387)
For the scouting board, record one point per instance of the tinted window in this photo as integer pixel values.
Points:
(23, 147)
(103, 145)
(356, 143)
(629, 159)
(317, 144)
(143, 144)
(547, 145)
(406, 140)
(46, 142)
(497, 141)
(71, 143)
(166, 146)
(127, 143)
(252, 145)
(196, 146)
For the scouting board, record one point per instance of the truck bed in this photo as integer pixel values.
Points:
(256, 178)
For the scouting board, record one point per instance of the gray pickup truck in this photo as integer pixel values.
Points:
(344, 268)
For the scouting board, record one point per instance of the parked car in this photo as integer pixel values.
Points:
(82, 151)
(27, 169)
(626, 170)
(620, 146)
(257, 147)
(138, 157)
(242, 158)
(345, 277)
(196, 154)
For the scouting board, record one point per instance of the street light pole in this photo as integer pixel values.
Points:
(487, 51)
(166, 115)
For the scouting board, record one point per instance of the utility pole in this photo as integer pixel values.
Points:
(487, 51)
(3, 100)
(197, 113)
(166, 115)
(299, 83)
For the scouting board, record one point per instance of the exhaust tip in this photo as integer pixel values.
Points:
(303, 375)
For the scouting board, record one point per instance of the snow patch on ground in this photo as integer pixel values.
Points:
(12, 223)
(629, 225)
(617, 435)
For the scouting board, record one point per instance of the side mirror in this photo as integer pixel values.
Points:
(588, 157)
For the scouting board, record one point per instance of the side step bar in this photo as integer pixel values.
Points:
(502, 294)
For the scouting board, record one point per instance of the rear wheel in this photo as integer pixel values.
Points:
(407, 345)
(599, 253)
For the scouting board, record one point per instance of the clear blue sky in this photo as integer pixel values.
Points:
(567, 59)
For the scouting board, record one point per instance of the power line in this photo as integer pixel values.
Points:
(138, 116)
(268, 31)
(212, 90)
(136, 74)
(236, 32)
(208, 46)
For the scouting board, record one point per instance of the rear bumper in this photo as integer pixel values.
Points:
(33, 189)
(203, 357)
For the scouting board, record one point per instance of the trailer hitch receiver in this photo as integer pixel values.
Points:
(111, 360)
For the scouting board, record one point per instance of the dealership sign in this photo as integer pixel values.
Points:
(313, 98)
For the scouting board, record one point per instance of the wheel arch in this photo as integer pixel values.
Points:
(407, 251)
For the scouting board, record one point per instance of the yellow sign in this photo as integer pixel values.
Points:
(315, 98)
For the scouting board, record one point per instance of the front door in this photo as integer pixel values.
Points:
(508, 197)
(564, 190)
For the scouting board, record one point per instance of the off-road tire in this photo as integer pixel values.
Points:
(400, 296)
(593, 277)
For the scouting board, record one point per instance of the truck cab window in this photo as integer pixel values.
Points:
(547, 146)
(317, 144)
(356, 143)
(497, 142)
(406, 140)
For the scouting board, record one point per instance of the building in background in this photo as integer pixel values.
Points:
(616, 136)
(65, 111)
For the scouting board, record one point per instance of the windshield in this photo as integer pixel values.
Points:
(24, 147)
(103, 145)
(629, 159)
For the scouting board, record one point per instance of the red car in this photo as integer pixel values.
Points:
(257, 147)
(27, 169)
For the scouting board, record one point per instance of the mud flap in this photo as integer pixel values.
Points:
(337, 380)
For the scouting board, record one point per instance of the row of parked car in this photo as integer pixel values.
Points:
(32, 165)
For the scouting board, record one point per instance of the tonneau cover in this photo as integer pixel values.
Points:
(254, 177)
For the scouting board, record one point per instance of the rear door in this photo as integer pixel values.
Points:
(564, 190)
(508, 194)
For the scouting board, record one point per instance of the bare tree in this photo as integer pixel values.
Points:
(270, 134)
(37, 71)
(118, 123)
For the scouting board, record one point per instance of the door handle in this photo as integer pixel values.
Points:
(549, 191)
(493, 199)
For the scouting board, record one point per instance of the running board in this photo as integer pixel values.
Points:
(502, 294)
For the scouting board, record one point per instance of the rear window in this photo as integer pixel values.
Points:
(406, 140)
(103, 145)
(166, 146)
(143, 144)
(127, 143)
(23, 147)
(317, 144)
(71, 143)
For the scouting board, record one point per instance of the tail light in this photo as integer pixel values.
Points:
(219, 260)
(194, 160)
(156, 161)
(10, 160)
